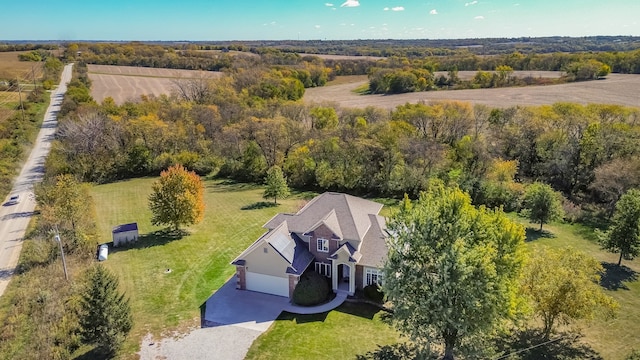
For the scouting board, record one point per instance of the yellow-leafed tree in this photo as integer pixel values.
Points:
(177, 198)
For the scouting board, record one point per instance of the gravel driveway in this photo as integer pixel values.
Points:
(235, 319)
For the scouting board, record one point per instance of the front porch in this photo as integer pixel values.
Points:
(344, 276)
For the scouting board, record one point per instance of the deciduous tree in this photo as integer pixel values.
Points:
(563, 286)
(624, 234)
(542, 204)
(177, 198)
(276, 185)
(452, 269)
(105, 315)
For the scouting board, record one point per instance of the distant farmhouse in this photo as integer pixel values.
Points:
(339, 236)
(124, 234)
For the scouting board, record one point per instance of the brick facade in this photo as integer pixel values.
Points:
(322, 232)
(241, 281)
(359, 277)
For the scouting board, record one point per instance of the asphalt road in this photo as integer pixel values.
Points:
(14, 218)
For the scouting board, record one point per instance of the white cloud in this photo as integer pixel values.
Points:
(386, 9)
(317, 26)
(433, 12)
(350, 3)
(471, 3)
(398, 8)
(328, 4)
(479, 17)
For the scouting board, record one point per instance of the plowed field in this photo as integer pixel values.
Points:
(617, 89)
(124, 83)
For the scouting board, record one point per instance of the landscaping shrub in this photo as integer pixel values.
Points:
(373, 292)
(312, 289)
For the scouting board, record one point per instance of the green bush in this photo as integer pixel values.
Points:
(312, 289)
(373, 292)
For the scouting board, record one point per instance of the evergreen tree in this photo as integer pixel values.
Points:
(276, 185)
(105, 315)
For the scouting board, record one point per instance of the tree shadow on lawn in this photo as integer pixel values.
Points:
(259, 205)
(301, 319)
(156, 238)
(359, 309)
(527, 345)
(532, 234)
(614, 276)
(93, 354)
(229, 186)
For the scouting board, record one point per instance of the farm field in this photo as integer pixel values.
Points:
(342, 57)
(124, 83)
(11, 67)
(619, 89)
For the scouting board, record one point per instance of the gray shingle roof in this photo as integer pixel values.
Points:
(288, 245)
(351, 215)
(374, 247)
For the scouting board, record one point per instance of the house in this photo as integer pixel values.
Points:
(338, 235)
(124, 234)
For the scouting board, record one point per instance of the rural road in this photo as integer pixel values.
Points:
(14, 218)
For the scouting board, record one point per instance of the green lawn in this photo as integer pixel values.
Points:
(199, 261)
(612, 339)
(350, 330)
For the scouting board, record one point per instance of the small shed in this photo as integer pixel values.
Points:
(124, 234)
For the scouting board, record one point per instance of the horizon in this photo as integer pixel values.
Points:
(199, 20)
(25, 41)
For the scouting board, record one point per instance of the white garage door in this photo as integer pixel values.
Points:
(267, 284)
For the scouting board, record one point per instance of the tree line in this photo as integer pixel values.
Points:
(587, 152)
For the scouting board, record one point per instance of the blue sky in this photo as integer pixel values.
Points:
(311, 19)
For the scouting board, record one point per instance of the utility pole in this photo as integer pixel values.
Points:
(20, 94)
(64, 263)
(33, 76)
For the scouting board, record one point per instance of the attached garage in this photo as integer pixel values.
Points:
(267, 284)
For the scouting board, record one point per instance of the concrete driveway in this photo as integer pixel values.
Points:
(247, 309)
(233, 319)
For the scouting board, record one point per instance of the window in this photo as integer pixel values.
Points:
(323, 245)
(323, 269)
(373, 276)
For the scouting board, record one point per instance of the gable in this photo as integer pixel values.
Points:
(266, 260)
(347, 215)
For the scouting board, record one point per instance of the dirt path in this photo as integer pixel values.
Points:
(615, 89)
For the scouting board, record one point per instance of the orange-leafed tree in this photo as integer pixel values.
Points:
(177, 198)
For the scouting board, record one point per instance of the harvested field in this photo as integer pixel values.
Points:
(343, 57)
(124, 83)
(11, 67)
(230, 52)
(620, 89)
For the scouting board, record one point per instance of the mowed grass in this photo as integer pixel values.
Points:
(615, 338)
(199, 261)
(350, 330)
